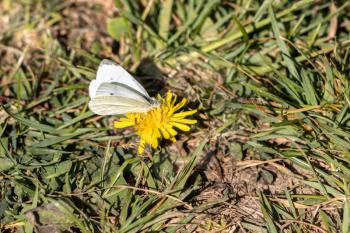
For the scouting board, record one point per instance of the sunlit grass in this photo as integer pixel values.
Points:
(269, 79)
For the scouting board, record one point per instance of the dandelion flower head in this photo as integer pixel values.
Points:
(160, 122)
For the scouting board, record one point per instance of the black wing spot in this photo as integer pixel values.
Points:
(111, 93)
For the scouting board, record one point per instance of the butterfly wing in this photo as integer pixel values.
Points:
(120, 90)
(109, 72)
(114, 105)
(115, 91)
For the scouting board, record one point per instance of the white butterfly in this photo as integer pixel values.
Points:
(115, 91)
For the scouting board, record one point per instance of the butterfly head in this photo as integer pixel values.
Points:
(154, 102)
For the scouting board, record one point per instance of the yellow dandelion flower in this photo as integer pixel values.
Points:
(159, 122)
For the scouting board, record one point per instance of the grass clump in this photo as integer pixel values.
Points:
(270, 152)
